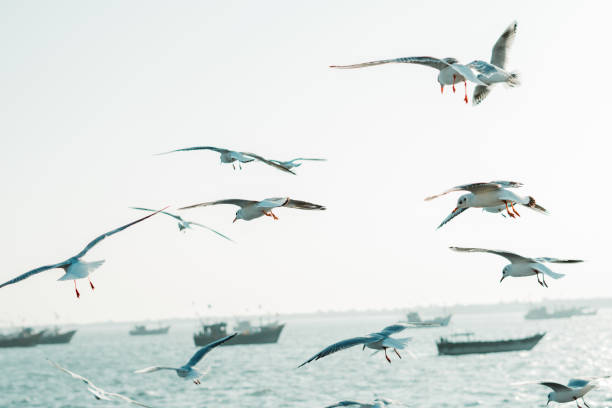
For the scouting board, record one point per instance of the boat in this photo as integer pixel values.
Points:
(141, 330)
(413, 317)
(247, 334)
(539, 313)
(454, 348)
(54, 336)
(27, 337)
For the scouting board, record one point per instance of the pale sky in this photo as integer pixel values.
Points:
(91, 90)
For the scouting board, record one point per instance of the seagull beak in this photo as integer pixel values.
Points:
(235, 218)
(501, 280)
(548, 403)
(455, 210)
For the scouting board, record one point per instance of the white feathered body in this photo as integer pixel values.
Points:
(79, 269)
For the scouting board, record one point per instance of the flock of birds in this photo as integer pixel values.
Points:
(494, 196)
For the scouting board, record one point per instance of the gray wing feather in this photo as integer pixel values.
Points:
(204, 350)
(555, 260)
(303, 205)
(479, 187)
(212, 230)
(268, 162)
(186, 149)
(233, 201)
(556, 386)
(451, 216)
(178, 217)
(480, 93)
(502, 46)
(428, 61)
(116, 230)
(341, 345)
(34, 272)
(577, 383)
(512, 257)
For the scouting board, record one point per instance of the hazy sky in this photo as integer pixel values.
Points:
(91, 90)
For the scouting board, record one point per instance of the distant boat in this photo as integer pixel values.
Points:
(24, 338)
(141, 330)
(54, 336)
(541, 313)
(452, 348)
(413, 317)
(247, 334)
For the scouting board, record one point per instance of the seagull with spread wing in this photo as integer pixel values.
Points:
(250, 210)
(231, 156)
(520, 266)
(294, 163)
(74, 267)
(98, 392)
(381, 340)
(188, 371)
(451, 71)
(184, 225)
(495, 72)
(574, 391)
(489, 196)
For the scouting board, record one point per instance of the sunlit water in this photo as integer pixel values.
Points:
(266, 375)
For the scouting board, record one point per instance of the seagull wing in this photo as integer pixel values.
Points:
(512, 257)
(451, 216)
(302, 205)
(34, 272)
(398, 327)
(428, 61)
(268, 162)
(186, 149)
(544, 269)
(73, 375)
(556, 260)
(480, 93)
(556, 386)
(500, 49)
(577, 383)
(177, 217)
(116, 230)
(206, 349)
(479, 187)
(305, 158)
(467, 73)
(341, 345)
(210, 229)
(127, 399)
(233, 201)
(273, 202)
(153, 369)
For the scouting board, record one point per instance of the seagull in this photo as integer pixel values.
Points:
(377, 403)
(575, 390)
(376, 341)
(292, 163)
(520, 266)
(184, 225)
(250, 210)
(231, 156)
(451, 71)
(75, 268)
(495, 210)
(489, 196)
(98, 392)
(187, 371)
(494, 72)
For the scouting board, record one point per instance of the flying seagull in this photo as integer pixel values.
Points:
(231, 156)
(293, 163)
(188, 371)
(575, 390)
(495, 210)
(184, 225)
(494, 72)
(451, 71)
(75, 268)
(377, 403)
(520, 266)
(98, 392)
(489, 196)
(250, 210)
(376, 341)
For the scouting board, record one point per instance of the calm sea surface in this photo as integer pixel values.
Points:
(266, 375)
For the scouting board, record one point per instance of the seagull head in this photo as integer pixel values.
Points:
(463, 202)
(550, 398)
(239, 215)
(505, 273)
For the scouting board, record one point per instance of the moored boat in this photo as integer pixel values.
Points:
(413, 317)
(27, 337)
(453, 348)
(247, 334)
(539, 313)
(55, 336)
(141, 330)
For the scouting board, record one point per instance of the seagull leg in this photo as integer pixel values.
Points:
(273, 216)
(454, 77)
(233, 166)
(585, 403)
(538, 278)
(441, 88)
(240, 165)
(386, 356)
(466, 98)
(514, 209)
(76, 290)
(396, 352)
(508, 209)
(544, 281)
(577, 403)
(91, 284)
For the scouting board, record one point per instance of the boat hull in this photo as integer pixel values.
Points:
(481, 347)
(161, 330)
(21, 341)
(267, 335)
(57, 338)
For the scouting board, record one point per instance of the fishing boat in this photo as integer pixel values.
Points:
(454, 348)
(413, 317)
(141, 330)
(55, 336)
(539, 313)
(27, 337)
(247, 334)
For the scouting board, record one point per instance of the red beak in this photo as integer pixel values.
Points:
(455, 210)
(235, 218)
